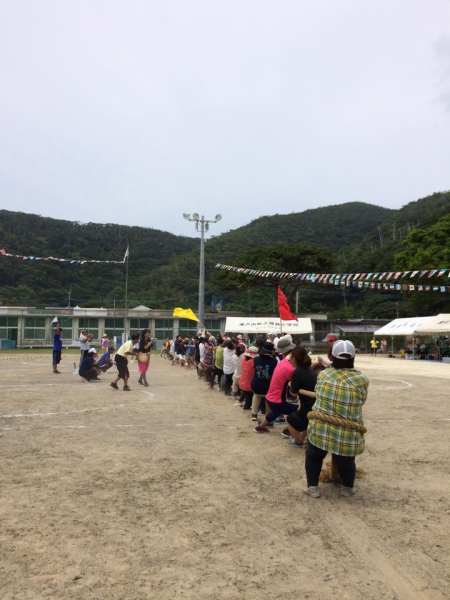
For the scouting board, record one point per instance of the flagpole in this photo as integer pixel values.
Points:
(127, 254)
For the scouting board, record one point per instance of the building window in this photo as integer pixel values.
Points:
(113, 327)
(213, 326)
(8, 328)
(164, 328)
(65, 323)
(186, 328)
(137, 325)
(34, 328)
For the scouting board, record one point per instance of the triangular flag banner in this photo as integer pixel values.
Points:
(55, 320)
(283, 307)
(185, 313)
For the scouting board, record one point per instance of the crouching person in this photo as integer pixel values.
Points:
(341, 392)
(105, 361)
(303, 378)
(88, 370)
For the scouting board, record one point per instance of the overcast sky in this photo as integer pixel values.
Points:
(134, 112)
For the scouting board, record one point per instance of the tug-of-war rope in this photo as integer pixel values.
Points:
(330, 472)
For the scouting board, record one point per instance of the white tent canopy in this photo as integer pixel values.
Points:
(266, 324)
(406, 326)
(438, 324)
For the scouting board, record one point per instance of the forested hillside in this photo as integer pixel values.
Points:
(376, 250)
(163, 268)
(328, 227)
(49, 283)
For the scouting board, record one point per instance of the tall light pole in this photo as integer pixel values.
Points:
(202, 225)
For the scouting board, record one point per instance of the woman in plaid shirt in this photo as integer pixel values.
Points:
(341, 392)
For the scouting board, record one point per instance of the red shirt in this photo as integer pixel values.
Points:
(248, 372)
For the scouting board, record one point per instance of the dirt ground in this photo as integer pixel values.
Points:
(166, 492)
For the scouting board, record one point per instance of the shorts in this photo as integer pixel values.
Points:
(122, 367)
(298, 420)
(56, 357)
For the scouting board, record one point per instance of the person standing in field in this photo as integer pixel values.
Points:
(84, 345)
(57, 349)
(105, 343)
(125, 350)
(341, 391)
(374, 345)
(145, 347)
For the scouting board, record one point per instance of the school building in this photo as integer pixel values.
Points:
(29, 327)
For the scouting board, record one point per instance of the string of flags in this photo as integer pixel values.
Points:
(372, 281)
(72, 261)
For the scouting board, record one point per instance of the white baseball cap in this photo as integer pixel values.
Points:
(343, 349)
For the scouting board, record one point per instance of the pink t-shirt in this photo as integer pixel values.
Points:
(280, 379)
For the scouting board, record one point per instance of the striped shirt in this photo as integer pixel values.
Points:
(339, 393)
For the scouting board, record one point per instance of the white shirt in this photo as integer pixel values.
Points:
(237, 361)
(228, 365)
(84, 344)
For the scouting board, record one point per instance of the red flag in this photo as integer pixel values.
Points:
(283, 307)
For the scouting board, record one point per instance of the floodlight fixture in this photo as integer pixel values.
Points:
(201, 225)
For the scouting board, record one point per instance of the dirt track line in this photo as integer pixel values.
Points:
(371, 551)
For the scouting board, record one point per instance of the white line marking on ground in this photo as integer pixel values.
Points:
(406, 383)
(69, 412)
(26, 385)
(50, 414)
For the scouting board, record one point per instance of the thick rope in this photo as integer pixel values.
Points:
(337, 421)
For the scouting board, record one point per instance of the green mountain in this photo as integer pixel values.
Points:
(377, 249)
(164, 268)
(49, 283)
(326, 227)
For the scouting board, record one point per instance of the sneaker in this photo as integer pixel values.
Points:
(126, 388)
(145, 384)
(347, 491)
(294, 444)
(140, 382)
(238, 404)
(254, 417)
(260, 429)
(114, 385)
(286, 433)
(280, 421)
(312, 491)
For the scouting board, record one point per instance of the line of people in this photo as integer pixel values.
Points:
(279, 383)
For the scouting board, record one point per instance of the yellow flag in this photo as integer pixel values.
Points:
(186, 313)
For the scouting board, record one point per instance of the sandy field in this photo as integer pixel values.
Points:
(166, 492)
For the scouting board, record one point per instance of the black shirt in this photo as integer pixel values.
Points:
(264, 368)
